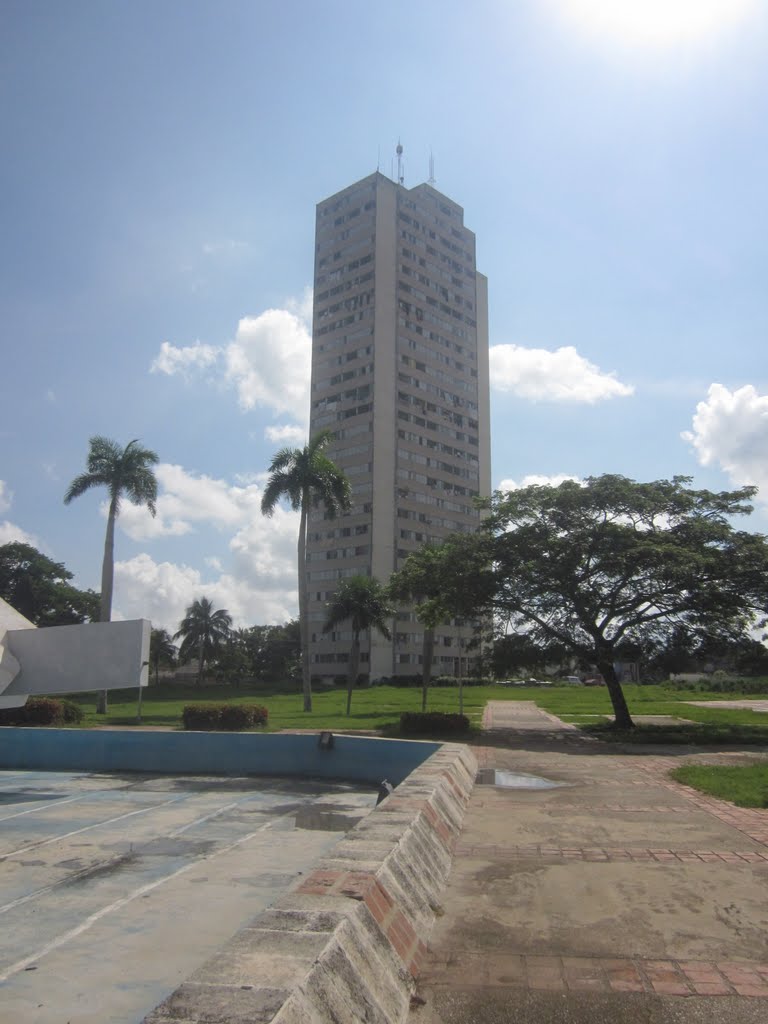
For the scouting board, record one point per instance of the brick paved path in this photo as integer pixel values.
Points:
(522, 715)
(586, 903)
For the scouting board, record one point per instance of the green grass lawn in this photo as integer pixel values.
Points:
(380, 707)
(585, 706)
(743, 785)
(376, 708)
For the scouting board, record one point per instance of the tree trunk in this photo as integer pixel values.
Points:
(622, 717)
(426, 659)
(200, 662)
(461, 676)
(354, 666)
(306, 672)
(107, 580)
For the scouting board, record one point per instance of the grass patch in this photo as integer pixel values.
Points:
(743, 785)
(707, 734)
(379, 708)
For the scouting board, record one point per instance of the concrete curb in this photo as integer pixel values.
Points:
(346, 944)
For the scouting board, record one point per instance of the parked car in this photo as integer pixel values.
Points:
(573, 681)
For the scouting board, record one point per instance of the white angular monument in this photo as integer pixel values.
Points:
(69, 659)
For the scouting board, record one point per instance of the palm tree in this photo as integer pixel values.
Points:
(161, 648)
(202, 631)
(417, 582)
(363, 601)
(126, 473)
(307, 478)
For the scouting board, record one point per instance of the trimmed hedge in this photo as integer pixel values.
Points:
(421, 722)
(43, 711)
(230, 717)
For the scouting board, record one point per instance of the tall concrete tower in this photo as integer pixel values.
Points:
(400, 375)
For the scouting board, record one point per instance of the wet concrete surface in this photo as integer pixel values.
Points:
(114, 888)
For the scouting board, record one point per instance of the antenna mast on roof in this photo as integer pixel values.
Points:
(399, 151)
(431, 179)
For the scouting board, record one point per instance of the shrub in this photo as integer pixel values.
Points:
(232, 717)
(441, 722)
(71, 713)
(235, 717)
(201, 717)
(43, 711)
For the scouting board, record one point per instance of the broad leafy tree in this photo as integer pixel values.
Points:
(428, 579)
(40, 588)
(126, 472)
(203, 632)
(362, 602)
(617, 565)
(233, 661)
(308, 479)
(275, 651)
(162, 651)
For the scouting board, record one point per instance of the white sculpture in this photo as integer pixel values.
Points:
(69, 659)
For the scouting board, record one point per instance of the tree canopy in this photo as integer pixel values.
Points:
(202, 631)
(40, 588)
(599, 567)
(364, 603)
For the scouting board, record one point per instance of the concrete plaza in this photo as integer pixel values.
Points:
(618, 896)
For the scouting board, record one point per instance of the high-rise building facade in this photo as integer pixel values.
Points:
(400, 375)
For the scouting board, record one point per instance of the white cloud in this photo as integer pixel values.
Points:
(161, 591)
(184, 500)
(174, 360)
(302, 306)
(559, 376)
(289, 433)
(537, 480)
(730, 430)
(258, 583)
(269, 363)
(9, 532)
(225, 247)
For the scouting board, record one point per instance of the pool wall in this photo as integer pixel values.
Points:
(346, 944)
(352, 758)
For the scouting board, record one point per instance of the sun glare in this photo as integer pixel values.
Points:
(657, 22)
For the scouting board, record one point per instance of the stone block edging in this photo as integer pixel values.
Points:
(345, 944)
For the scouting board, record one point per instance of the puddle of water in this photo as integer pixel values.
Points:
(319, 819)
(514, 780)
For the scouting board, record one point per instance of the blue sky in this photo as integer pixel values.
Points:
(161, 164)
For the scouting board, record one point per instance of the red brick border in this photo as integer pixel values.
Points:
(613, 854)
(620, 974)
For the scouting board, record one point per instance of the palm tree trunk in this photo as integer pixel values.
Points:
(461, 674)
(200, 661)
(426, 671)
(354, 665)
(306, 672)
(108, 565)
(107, 582)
